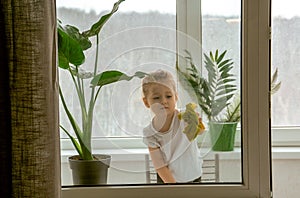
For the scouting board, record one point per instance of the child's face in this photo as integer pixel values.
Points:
(160, 99)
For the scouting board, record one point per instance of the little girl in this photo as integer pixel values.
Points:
(174, 157)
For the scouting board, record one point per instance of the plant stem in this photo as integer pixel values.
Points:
(89, 124)
(96, 96)
(85, 154)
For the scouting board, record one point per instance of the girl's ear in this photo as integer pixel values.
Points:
(176, 96)
(146, 103)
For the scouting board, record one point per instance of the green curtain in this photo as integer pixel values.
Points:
(30, 151)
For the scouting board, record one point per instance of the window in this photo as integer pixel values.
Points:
(284, 57)
(255, 115)
(141, 36)
(148, 42)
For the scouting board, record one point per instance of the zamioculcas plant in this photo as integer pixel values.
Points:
(71, 46)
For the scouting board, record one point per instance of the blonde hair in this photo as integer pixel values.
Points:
(161, 77)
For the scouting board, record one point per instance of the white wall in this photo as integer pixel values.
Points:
(286, 178)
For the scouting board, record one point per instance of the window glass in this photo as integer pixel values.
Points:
(256, 173)
(285, 58)
(221, 30)
(142, 36)
(285, 51)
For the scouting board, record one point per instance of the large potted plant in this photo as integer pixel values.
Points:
(216, 94)
(87, 167)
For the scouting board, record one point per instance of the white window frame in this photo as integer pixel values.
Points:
(256, 153)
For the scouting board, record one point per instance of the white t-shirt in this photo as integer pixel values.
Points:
(179, 154)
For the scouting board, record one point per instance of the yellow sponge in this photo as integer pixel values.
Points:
(194, 125)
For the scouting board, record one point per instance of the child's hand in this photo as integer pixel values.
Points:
(201, 126)
(194, 122)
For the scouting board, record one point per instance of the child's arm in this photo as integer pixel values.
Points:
(166, 175)
(160, 166)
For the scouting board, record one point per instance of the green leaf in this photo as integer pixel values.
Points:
(212, 56)
(223, 99)
(74, 141)
(226, 75)
(224, 64)
(274, 85)
(233, 112)
(225, 91)
(112, 76)
(140, 74)
(96, 27)
(63, 61)
(216, 55)
(209, 61)
(69, 50)
(220, 58)
(82, 40)
(225, 87)
(225, 81)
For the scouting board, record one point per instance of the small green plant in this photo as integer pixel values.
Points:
(71, 46)
(215, 92)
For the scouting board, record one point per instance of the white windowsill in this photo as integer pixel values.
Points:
(286, 153)
(138, 154)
